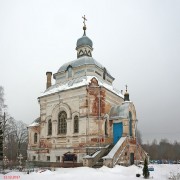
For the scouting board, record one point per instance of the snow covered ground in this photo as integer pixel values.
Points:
(161, 172)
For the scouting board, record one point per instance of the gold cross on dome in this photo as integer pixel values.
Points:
(84, 20)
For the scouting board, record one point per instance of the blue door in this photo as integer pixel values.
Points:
(117, 132)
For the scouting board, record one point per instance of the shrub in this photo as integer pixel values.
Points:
(145, 169)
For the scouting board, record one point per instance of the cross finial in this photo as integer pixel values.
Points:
(126, 87)
(84, 20)
(84, 27)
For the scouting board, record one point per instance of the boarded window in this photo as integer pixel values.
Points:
(35, 138)
(62, 124)
(76, 124)
(49, 127)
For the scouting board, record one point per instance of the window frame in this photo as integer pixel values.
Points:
(49, 127)
(62, 123)
(34, 158)
(48, 158)
(76, 124)
(58, 158)
(35, 138)
(69, 71)
(106, 127)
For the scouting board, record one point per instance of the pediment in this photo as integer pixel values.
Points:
(93, 82)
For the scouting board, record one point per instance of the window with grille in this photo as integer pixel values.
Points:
(49, 127)
(62, 124)
(76, 124)
(35, 138)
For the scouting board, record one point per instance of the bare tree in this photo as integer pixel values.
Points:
(2, 122)
(4, 117)
(164, 150)
(2, 105)
(17, 132)
(154, 149)
(176, 150)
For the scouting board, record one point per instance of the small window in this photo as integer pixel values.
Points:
(76, 124)
(34, 158)
(130, 124)
(69, 72)
(49, 127)
(35, 138)
(106, 127)
(57, 158)
(48, 158)
(104, 74)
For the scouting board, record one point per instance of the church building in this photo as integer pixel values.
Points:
(84, 120)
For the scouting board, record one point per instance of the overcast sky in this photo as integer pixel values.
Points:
(138, 42)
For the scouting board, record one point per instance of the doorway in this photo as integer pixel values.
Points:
(117, 132)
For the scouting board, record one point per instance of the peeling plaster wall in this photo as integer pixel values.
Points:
(84, 102)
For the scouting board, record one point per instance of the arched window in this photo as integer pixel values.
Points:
(106, 127)
(49, 127)
(62, 124)
(35, 138)
(69, 71)
(76, 124)
(130, 124)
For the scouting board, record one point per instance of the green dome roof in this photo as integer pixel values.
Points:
(84, 41)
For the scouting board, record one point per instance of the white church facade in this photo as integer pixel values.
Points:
(83, 119)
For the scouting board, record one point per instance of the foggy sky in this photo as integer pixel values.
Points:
(138, 42)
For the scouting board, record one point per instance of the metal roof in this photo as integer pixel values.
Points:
(79, 82)
(84, 40)
(121, 111)
(85, 60)
(36, 122)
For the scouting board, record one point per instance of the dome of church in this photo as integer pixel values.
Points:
(84, 41)
(84, 55)
(84, 60)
